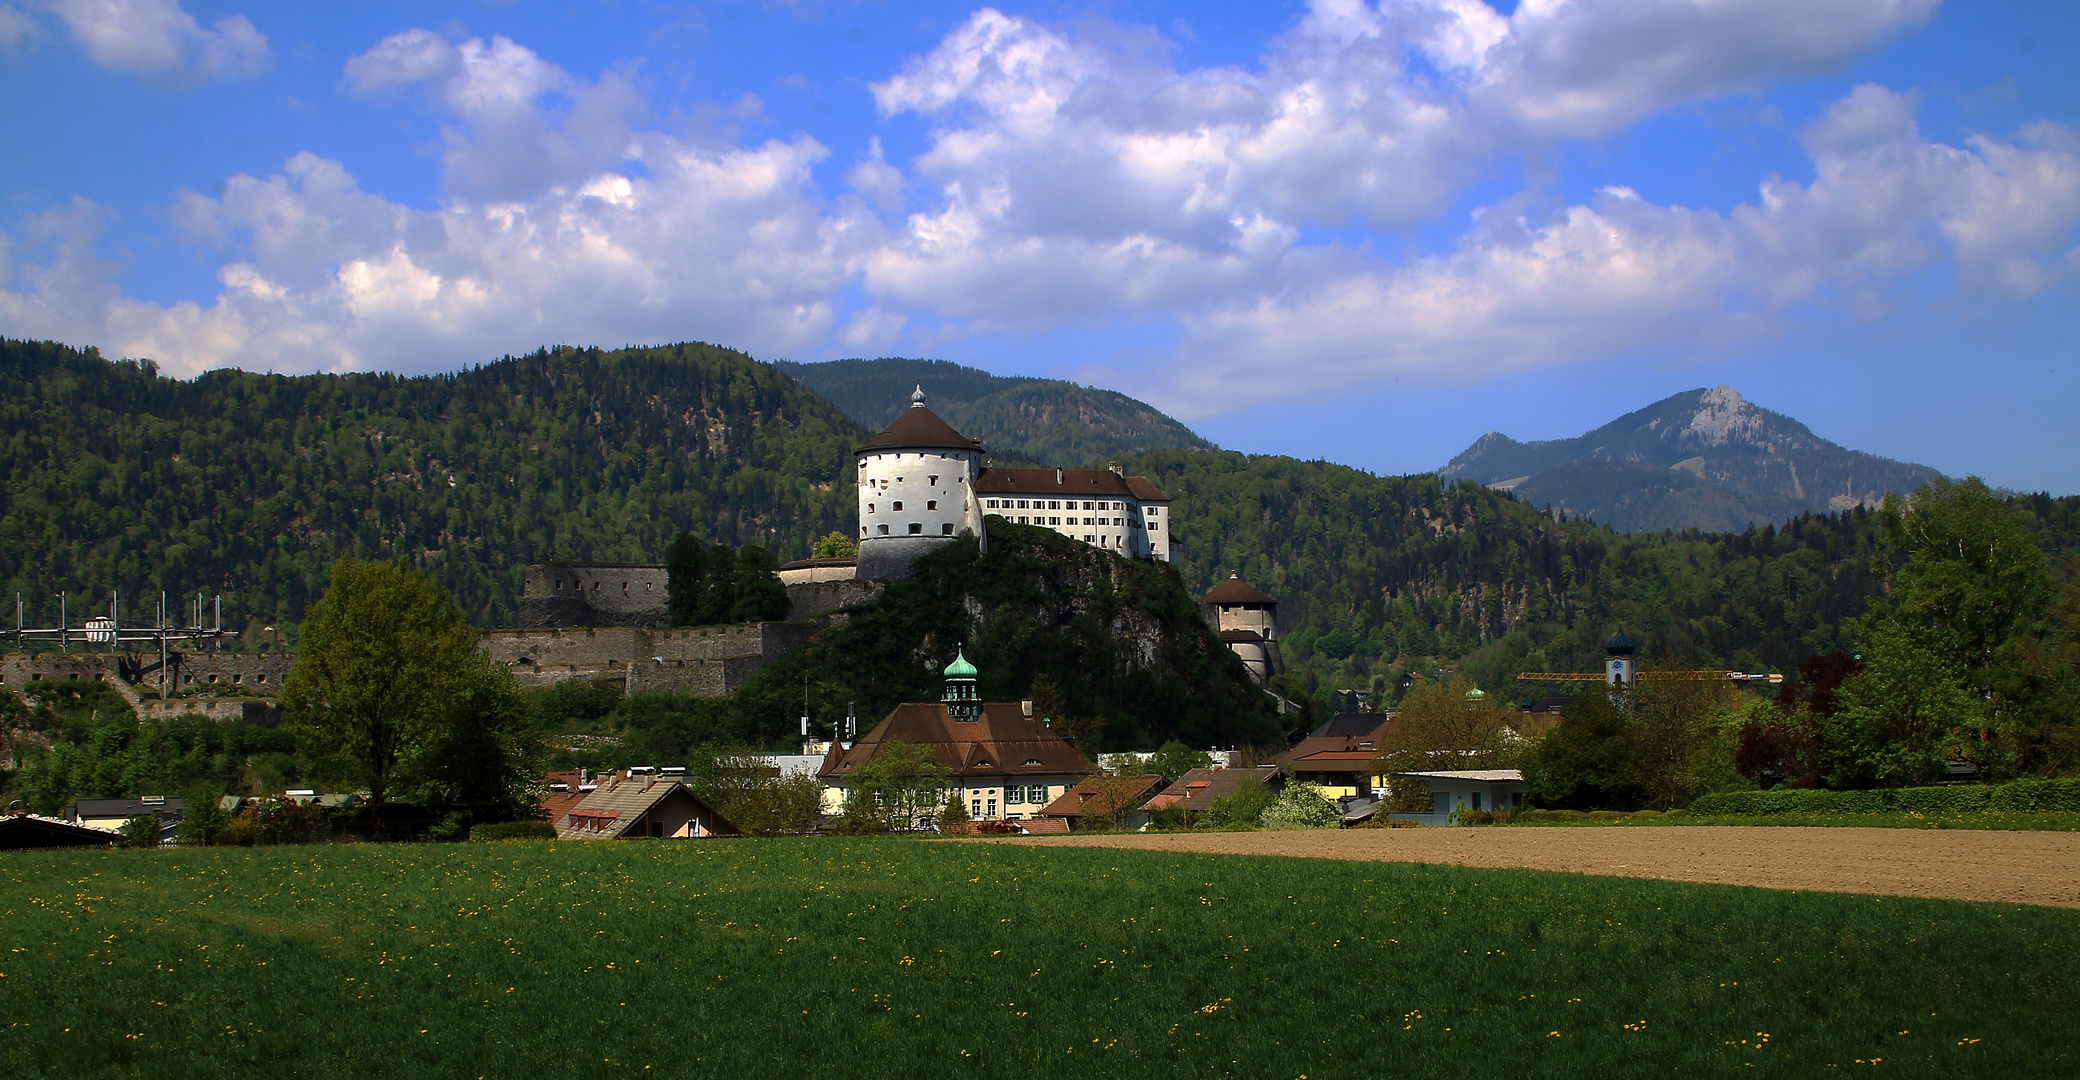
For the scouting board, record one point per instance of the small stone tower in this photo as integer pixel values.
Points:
(1247, 621)
(916, 491)
(963, 701)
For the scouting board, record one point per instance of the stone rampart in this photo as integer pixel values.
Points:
(814, 598)
(592, 594)
(707, 661)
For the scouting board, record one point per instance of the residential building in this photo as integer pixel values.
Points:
(1101, 801)
(1195, 791)
(1005, 764)
(19, 832)
(639, 802)
(1342, 756)
(1469, 789)
(112, 813)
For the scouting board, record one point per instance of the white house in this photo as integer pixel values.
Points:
(1469, 789)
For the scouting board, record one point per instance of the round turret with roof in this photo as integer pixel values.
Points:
(916, 490)
(962, 698)
(1617, 659)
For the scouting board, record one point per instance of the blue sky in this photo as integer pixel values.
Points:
(1361, 231)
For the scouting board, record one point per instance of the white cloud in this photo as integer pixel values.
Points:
(1088, 181)
(1585, 67)
(523, 124)
(157, 39)
(16, 28)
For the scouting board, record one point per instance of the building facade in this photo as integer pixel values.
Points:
(922, 484)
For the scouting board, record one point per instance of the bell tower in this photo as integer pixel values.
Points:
(963, 702)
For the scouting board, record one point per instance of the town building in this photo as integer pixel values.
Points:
(922, 484)
(113, 813)
(635, 803)
(1105, 802)
(1342, 756)
(1004, 763)
(1493, 790)
(1194, 792)
(20, 832)
(1247, 621)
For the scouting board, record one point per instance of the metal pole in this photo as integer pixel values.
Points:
(161, 620)
(64, 644)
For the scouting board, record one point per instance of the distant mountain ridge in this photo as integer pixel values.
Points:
(1705, 459)
(1020, 420)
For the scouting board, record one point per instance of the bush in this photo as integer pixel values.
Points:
(512, 830)
(1301, 806)
(141, 831)
(2036, 796)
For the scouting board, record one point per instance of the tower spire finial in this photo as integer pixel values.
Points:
(917, 397)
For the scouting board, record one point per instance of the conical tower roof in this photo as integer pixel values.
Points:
(1621, 645)
(919, 428)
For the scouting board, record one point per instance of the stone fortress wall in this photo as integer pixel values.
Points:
(707, 661)
(205, 672)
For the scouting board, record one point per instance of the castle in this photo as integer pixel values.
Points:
(922, 484)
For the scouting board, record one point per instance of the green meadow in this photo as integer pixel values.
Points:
(887, 958)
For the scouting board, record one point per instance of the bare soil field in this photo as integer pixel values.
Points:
(2009, 867)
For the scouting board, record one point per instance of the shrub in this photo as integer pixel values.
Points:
(141, 831)
(1301, 806)
(512, 830)
(2037, 796)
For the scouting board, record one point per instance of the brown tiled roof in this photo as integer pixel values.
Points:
(1145, 491)
(622, 800)
(555, 804)
(919, 428)
(1076, 483)
(1348, 733)
(1001, 743)
(1198, 788)
(1102, 795)
(1235, 591)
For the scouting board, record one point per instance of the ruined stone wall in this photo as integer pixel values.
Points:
(707, 661)
(592, 594)
(814, 598)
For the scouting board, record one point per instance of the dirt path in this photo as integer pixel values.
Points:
(2014, 867)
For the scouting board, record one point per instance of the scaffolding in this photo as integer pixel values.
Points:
(108, 629)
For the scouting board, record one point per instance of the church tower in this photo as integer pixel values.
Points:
(963, 701)
(1617, 660)
(916, 491)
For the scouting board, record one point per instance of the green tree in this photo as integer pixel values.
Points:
(756, 592)
(1441, 726)
(1905, 715)
(388, 686)
(686, 579)
(755, 796)
(1590, 760)
(836, 545)
(1242, 807)
(901, 787)
(141, 831)
(204, 821)
(1174, 759)
(1673, 721)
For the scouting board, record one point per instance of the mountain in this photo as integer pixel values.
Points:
(1020, 420)
(1704, 459)
(114, 477)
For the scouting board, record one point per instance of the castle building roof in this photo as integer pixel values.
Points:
(1003, 741)
(1067, 483)
(1235, 591)
(919, 428)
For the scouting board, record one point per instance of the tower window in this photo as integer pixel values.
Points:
(884, 530)
(931, 504)
(934, 480)
(870, 508)
(897, 506)
(946, 529)
(916, 529)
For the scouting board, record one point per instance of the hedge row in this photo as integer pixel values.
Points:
(2021, 795)
(513, 830)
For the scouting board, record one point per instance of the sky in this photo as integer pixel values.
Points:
(1365, 232)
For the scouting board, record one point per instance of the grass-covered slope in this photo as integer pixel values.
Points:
(113, 477)
(841, 959)
(1018, 419)
(1122, 639)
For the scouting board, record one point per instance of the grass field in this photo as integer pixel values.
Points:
(840, 958)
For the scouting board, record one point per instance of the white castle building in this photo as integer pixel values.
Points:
(921, 484)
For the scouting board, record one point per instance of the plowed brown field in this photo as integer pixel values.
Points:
(2012, 867)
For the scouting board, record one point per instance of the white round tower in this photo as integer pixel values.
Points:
(916, 491)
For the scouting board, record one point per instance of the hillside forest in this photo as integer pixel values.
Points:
(115, 477)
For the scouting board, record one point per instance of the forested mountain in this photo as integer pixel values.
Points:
(1378, 575)
(113, 477)
(1704, 459)
(1019, 420)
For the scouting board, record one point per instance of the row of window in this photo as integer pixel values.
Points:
(930, 481)
(1057, 504)
(916, 529)
(897, 506)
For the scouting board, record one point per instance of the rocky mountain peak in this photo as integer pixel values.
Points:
(1724, 416)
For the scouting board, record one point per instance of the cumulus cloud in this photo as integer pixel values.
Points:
(521, 122)
(1089, 180)
(157, 39)
(1620, 274)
